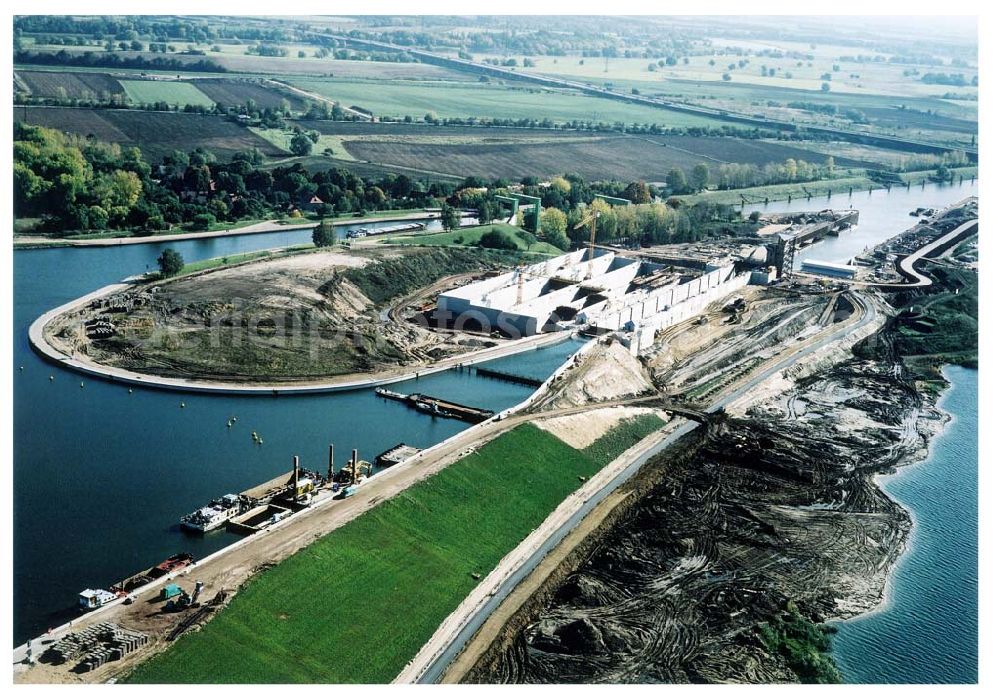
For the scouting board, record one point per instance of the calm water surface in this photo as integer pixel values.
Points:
(101, 476)
(926, 633)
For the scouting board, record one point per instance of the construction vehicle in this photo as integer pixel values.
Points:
(590, 218)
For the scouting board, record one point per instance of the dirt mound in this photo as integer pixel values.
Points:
(605, 372)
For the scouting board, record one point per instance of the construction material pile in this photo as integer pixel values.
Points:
(96, 645)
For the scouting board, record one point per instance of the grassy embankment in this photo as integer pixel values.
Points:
(357, 604)
(940, 328)
(230, 260)
(470, 236)
(815, 189)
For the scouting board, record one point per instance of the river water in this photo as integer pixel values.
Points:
(883, 214)
(101, 476)
(926, 632)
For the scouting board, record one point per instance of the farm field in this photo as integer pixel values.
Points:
(168, 91)
(793, 69)
(357, 604)
(447, 100)
(469, 236)
(923, 117)
(155, 133)
(596, 158)
(68, 85)
(236, 92)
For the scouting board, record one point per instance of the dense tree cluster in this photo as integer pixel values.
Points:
(74, 183)
(114, 61)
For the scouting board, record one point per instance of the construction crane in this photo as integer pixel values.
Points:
(590, 218)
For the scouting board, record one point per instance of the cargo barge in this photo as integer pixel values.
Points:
(93, 598)
(380, 231)
(437, 407)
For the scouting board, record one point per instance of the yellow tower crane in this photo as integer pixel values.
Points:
(590, 218)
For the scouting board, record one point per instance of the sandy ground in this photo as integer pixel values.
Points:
(582, 429)
(606, 372)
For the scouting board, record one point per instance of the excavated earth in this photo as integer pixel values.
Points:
(721, 531)
(286, 319)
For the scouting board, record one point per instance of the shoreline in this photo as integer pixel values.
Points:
(440, 454)
(265, 227)
(939, 427)
(36, 337)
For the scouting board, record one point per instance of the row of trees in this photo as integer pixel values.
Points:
(74, 183)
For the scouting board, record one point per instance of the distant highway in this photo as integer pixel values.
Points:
(890, 141)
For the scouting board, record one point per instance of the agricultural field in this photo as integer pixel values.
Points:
(357, 604)
(171, 92)
(155, 133)
(622, 157)
(472, 99)
(236, 92)
(67, 85)
(792, 70)
(469, 236)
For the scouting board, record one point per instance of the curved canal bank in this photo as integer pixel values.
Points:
(36, 334)
(926, 631)
(101, 475)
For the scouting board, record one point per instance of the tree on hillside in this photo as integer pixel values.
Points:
(171, 262)
(553, 226)
(487, 211)
(638, 193)
(676, 181)
(450, 217)
(324, 235)
(301, 145)
(699, 177)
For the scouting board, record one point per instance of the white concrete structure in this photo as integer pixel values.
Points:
(613, 292)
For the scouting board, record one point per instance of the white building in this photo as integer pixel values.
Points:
(611, 292)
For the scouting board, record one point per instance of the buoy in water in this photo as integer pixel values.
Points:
(81, 384)
(183, 405)
(229, 424)
(22, 368)
(130, 390)
(52, 378)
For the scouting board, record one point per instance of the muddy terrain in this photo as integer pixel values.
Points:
(735, 547)
(286, 319)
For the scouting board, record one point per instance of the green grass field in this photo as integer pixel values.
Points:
(448, 100)
(469, 236)
(357, 605)
(151, 91)
(816, 189)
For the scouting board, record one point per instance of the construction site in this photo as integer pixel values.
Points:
(691, 337)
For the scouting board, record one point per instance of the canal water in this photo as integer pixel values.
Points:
(883, 214)
(926, 632)
(102, 475)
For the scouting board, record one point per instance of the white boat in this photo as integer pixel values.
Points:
(214, 515)
(92, 598)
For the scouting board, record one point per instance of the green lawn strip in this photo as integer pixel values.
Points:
(469, 236)
(912, 177)
(220, 261)
(169, 91)
(357, 604)
(783, 191)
